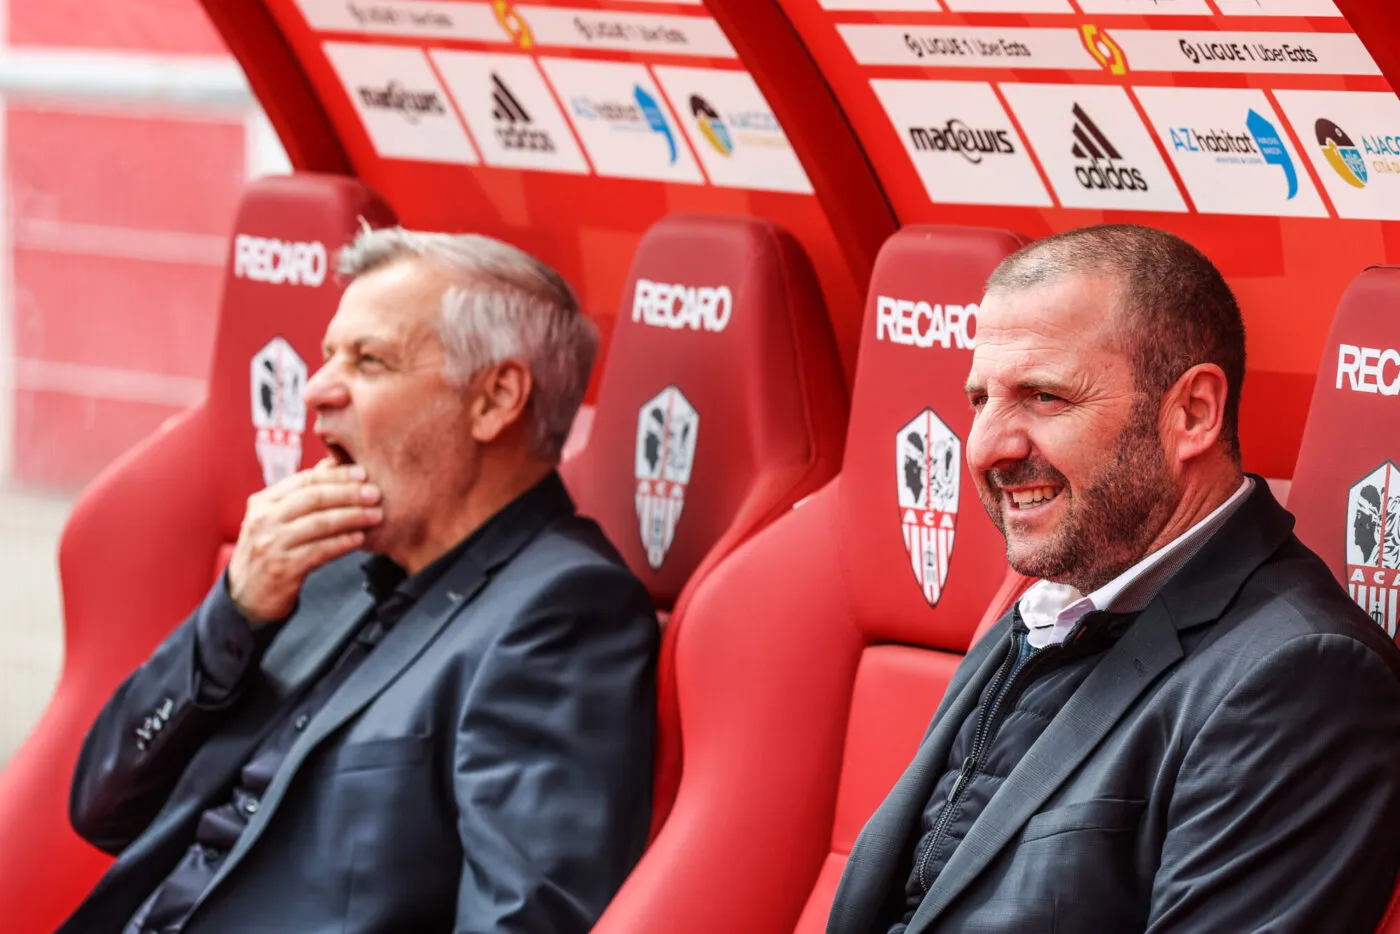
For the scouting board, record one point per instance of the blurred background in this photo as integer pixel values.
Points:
(126, 135)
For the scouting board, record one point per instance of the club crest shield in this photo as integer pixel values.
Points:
(928, 459)
(1373, 544)
(278, 377)
(667, 427)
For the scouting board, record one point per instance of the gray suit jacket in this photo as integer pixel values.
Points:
(1232, 763)
(486, 768)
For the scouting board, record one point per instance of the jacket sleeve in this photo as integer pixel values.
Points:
(156, 721)
(553, 758)
(1284, 813)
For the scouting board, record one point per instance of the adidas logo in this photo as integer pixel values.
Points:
(514, 128)
(1104, 169)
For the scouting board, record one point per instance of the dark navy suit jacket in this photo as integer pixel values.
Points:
(486, 768)
(1232, 763)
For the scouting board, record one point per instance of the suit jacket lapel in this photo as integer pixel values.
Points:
(881, 845)
(1145, 650)
(508, 532)
(312, 640)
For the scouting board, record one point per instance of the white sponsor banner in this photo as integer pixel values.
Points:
(1009, 6)
(1278, 7)
(1232, 153)
(1353, 140)
(625, 32)
(967, 46)
(622, 120)
(510, 111)
(438, 19)
(961, 142)
(732, 129)
(931, 6)
(1148, 7)
(1296, 53)
(1093, 146)
(404, 109)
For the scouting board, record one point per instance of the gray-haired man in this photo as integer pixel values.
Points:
(451, 734)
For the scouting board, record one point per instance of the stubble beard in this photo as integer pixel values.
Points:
(1109, 524)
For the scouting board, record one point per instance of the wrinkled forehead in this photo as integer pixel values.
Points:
(399, 302)
(1066, 319)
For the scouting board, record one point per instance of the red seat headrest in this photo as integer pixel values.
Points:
(280, 292)
(722, 399)
(1346, 486)
(922, 559)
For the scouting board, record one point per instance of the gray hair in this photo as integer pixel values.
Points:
(505, 304)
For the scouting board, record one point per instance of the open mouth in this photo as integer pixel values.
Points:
(1033, 497)
(336, 450)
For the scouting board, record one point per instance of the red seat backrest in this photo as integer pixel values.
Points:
(722, 402)
(147, 537)
(809, 663)
(1346, 486)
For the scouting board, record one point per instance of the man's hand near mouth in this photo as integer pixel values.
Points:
(294, 527)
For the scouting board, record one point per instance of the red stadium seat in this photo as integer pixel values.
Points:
(721, 405)
(149, 535)
(1346, 487)
(722, 401)
(809, 663)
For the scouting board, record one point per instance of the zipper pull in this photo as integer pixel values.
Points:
(964, 774)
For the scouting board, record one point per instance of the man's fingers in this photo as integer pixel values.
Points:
(321, 473)
(314, 554)
(328, 523)
(329, 495)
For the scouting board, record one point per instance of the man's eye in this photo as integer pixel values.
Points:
(370, 361)
(1046, 397)
(977, 402)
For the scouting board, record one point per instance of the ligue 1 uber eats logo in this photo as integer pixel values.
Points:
(927, 467)
(1373, 544)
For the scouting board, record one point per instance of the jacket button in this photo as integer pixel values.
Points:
(251, 806)
(301, 722)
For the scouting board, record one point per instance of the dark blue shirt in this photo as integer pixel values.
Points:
(228, 648)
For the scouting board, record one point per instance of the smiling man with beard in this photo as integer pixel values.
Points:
(421, 698)
(1184, 724)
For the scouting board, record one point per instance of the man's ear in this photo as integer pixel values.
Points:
(502, 393)
(1194, 411)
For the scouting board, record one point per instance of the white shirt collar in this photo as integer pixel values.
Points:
(1050, 610)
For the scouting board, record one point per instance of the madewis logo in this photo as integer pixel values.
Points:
(956, 136)
(1260, 144)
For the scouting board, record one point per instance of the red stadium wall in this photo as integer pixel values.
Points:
(116, 220)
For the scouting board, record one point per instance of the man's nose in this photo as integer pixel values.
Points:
(325, 389)
(997, 438)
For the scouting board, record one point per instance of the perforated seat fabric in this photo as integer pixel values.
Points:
(809, 663)
(149, 535)
(1345, 491)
